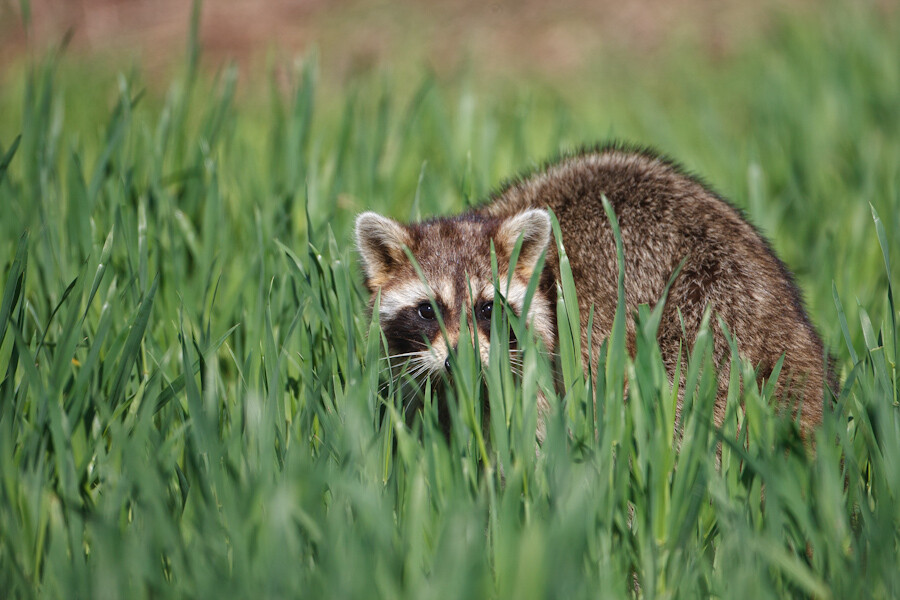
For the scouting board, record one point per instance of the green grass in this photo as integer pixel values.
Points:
(191, 402)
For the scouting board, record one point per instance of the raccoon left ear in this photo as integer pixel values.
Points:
(534, 227)
(380, 242)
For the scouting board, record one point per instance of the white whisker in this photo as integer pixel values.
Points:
(401, 355)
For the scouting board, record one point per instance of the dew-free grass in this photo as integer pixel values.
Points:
(192, 396)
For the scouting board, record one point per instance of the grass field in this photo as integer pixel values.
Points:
(191, 398)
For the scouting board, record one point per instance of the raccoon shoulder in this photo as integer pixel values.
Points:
(632, 178)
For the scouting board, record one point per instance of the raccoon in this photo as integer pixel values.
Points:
(668, 219)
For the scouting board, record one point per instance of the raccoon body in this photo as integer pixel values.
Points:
(665, 217)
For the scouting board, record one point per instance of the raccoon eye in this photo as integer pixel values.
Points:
(486, 310)
(426, 311)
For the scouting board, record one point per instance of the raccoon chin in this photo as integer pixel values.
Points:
(413, 390)
(446, 408)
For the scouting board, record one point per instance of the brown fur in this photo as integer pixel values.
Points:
(665, 216)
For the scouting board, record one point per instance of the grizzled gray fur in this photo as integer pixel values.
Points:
(665, 216)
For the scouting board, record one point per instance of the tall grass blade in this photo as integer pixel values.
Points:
(132, 347)
(8, 156)
(13, 289)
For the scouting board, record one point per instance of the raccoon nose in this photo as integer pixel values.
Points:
(447, 360)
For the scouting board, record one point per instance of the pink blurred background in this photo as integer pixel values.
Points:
(529, 35)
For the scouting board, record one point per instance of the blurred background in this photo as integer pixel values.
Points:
(545, 39)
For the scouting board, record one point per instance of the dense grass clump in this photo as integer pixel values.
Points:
(192, 401)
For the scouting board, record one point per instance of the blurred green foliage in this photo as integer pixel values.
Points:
(191, 401)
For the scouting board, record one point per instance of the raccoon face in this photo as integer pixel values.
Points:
(454, 255)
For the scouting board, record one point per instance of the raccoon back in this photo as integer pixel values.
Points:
(666, 216)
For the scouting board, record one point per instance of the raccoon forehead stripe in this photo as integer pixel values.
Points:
(444, 290)
(404, 295)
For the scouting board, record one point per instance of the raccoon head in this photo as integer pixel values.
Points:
(454, 255)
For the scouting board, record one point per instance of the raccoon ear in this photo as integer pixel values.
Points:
(380, 243)
(534, 227)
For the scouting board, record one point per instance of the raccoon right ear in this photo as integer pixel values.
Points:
(380, 242)
(534, 227)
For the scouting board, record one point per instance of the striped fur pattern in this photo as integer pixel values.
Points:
(454, 256)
